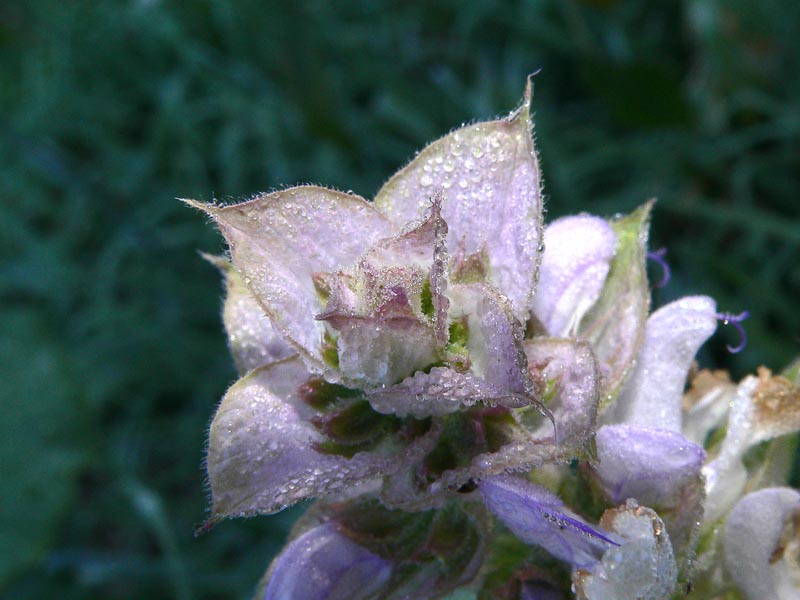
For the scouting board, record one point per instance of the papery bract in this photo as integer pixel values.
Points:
(490, 175)
(615, 324)
(252, 339)
(419, 359)
(279, 241)
(264, 453)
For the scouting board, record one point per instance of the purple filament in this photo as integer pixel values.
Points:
(658, 257)
(736, 321)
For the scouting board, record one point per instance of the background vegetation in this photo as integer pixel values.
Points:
(112, 356)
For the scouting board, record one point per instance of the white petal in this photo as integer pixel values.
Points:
(489, 176)
(652, 395)
(752, 536)
(577, 257)
(642, 567)
(725, 475)
(764, 407)
(706, 404)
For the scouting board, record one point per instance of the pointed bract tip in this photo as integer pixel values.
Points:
(206, 207)
(528, 95)
(524, 108)
(207, 526)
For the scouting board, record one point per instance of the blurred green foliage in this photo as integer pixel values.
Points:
(112, 356)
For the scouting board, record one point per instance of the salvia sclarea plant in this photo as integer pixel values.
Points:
(481, 402)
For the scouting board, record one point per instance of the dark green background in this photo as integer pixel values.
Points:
(112, 355)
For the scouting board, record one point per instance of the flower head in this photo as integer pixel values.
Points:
(416, 360)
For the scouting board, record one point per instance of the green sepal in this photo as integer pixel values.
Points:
(330, 350)
(511, 562)
(321, 395)
(392, 534)
(444, 545)
(426, 299)
(354, 424)
(615, 324)
(792, 371)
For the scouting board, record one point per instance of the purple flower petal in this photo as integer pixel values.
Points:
(752, 540)
(648, 464)
(652, 395)
(252, 338)
(279, 241)
(262, 453)
(536, 516)
(577, 257)
(489, 177)
(323, 564)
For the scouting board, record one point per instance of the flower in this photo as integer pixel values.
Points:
(396, 312)
(322, 563)
(471, 397)
(760, 557)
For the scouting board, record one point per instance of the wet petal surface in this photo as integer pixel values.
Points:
(252, 339)
(536, 516)
(279, 241)
(488, 175)
(264, 452)
(576, 261)
(649, 464)
(674, 333)
(753, 545)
